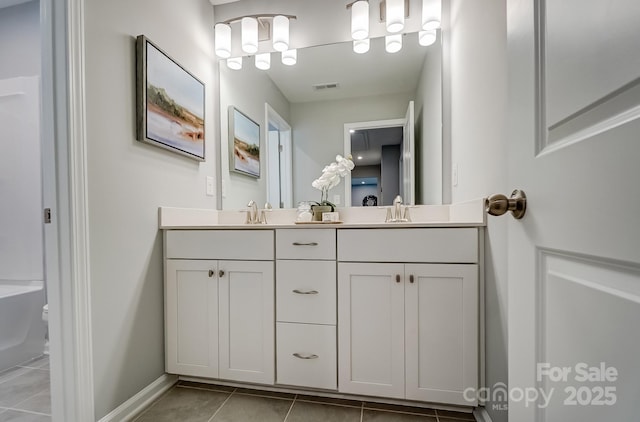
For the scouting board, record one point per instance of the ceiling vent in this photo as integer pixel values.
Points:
(321, 87)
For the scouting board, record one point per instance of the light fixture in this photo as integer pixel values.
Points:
(394, 13)
(431, 14)
(428, 37)
(234, 63)
(222, 33)
(249, 35)
(290, 57)
(393, 43)
(280, 33)
(359, 157)
(364, 183)
(360, 20)
(351, 131)
(263, 61)
(361, 46)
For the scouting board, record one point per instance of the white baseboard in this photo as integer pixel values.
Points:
(481, 414)
(128, 410)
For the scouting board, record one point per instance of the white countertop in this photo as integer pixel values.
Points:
(465, 214)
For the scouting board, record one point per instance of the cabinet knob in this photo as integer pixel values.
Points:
(305, 355)
(211, 273)
(220, 273)
(397, 278)
(411, 278)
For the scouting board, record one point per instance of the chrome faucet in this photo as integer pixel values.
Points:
(397, 213)
(252, 213)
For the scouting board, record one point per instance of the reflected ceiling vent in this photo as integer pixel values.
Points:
(321, 87)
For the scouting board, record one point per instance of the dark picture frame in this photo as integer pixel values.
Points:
(170, 102)
(244, 144)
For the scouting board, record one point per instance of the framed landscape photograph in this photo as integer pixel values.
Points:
(244, 143)
(170, 102)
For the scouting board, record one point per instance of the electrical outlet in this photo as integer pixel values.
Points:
(336, 199)
(210, 186)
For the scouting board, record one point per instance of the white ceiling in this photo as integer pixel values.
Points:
(373, 73)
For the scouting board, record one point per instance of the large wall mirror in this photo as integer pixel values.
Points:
(334, 101)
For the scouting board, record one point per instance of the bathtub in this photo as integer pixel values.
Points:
(22, 331)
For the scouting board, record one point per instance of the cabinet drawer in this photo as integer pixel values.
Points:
(306, 291)
(306, 244)
(438, 245)
(306, 355)
(219, 244)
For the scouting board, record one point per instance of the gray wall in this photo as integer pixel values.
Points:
(390, 169)
(20, 40)
(478, 108)
(318, 135)
(246, 90)
(128, 180)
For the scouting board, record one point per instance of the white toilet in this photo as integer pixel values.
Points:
(45, 318)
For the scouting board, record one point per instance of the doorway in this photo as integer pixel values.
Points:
(279, 180)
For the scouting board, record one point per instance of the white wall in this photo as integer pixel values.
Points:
(318, 135)
(128, 180)
(21, 241)
(247, 90)
(20, 40)
(478, 108)
(429, 128)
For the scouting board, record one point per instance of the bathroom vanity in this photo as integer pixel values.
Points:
(363, 308)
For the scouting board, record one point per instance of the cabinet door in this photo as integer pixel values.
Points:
(191, 318)
(371, 329)
(441, 306)
(247, 321)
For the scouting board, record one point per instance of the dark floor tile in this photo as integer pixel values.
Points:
(455, 415)
(263, 393)
(318, 412)
(329, 400)
(369, 415)
(40, 403)
(445, 419)
(399, 408)
(213, 387)
(184, 404)
(16, 416)
(18, 389)
(247, 408)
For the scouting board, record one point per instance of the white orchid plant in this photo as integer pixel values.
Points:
(331, 176)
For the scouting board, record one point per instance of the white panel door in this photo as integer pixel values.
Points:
(247, 321)
(574, 260)
(191, 318)
(371, 329)
(408, 152)
(441, 331)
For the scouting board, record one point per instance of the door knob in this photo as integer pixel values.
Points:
(498, 204)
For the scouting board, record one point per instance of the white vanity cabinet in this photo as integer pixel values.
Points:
(408, 313)
(219, 304)
(306, 308)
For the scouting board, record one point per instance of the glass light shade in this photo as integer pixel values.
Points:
(361, 46)
(426, 38)
(280, 33)
(263, 61)
(234, 63)
(431, 14)
(395, 15)
(360, 20)
(290, 57)
(393, 43)
(222, 33)
(249, 28)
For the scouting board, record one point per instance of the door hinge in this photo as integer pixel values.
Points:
(280, 148)
(47, 216)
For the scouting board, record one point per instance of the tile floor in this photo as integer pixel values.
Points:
(193, 402)
(24, 392)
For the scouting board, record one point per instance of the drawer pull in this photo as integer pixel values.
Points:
(305, 292)
(212, 273)
(221, 273)
(305, 244)
(305, 356)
